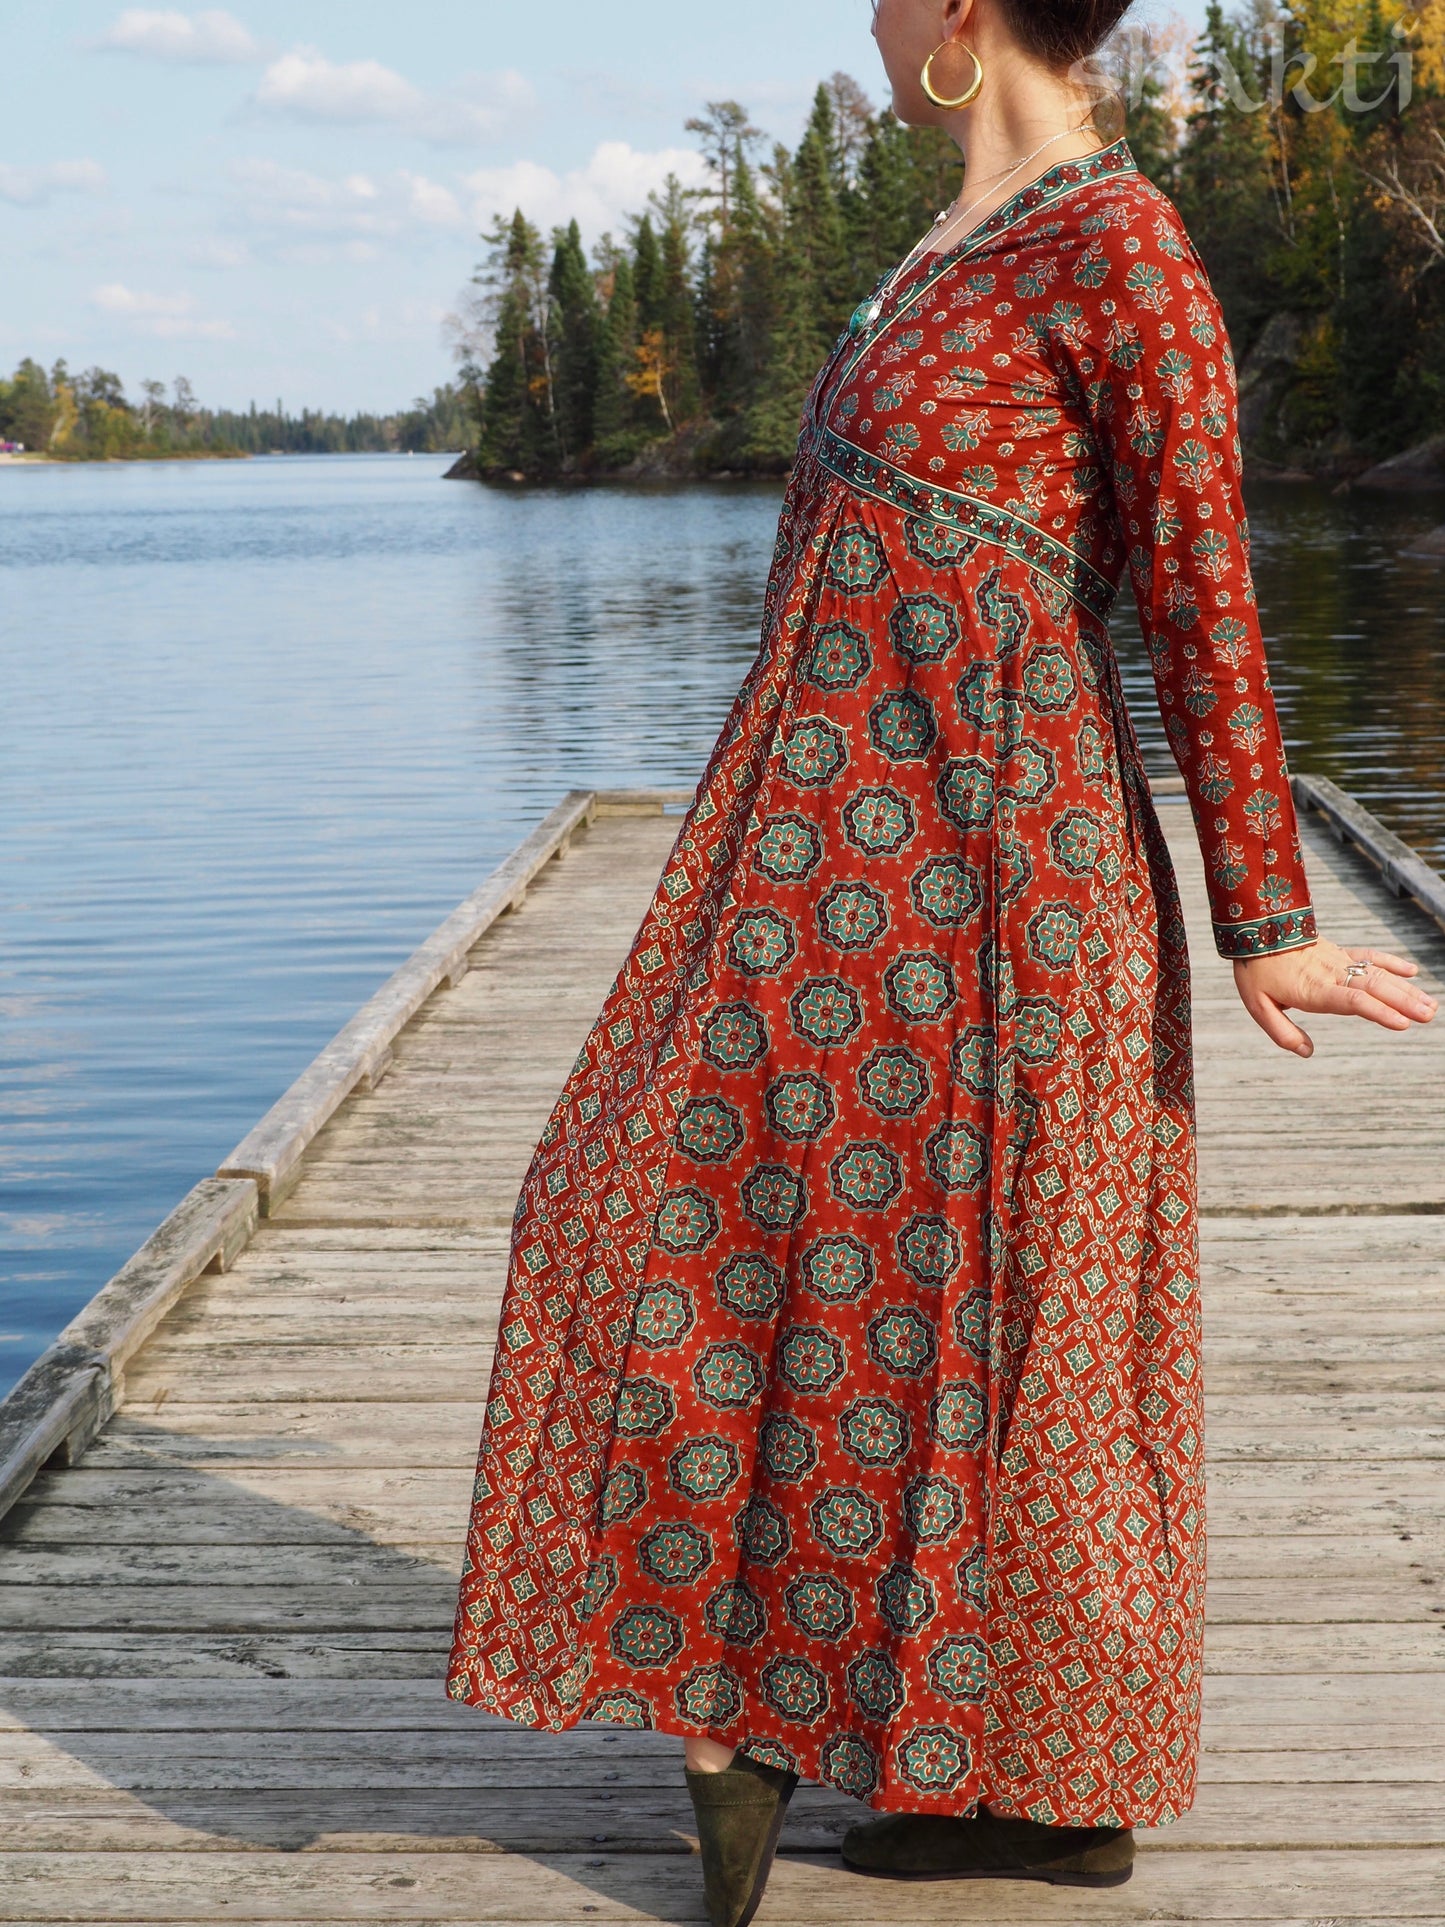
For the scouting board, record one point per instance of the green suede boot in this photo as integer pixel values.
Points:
(935, 1846)
(739, 1818)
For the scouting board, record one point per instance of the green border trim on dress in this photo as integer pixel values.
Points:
(985, 521)
(1290, 930)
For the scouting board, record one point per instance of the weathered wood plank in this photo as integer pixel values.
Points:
(1364, 1122)
(651, 1818)
(285, 1505)
(1403, 869)
(100, 1653)
(1178, 1884)
(162, 1762)
(772, 1919)
(380, 1432)
(70, 1391)
(325, 1368)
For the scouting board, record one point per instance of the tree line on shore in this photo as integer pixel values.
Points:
(89, 417)
(1304, 146)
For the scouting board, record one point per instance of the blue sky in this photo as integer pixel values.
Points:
(283, 199)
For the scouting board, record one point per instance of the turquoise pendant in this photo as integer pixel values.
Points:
(863, 316)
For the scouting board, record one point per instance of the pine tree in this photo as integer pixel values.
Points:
(1148, 125)
(574, 323)
(745, 277)
(676, 318)
(519, 423)
(647, 274)
(727, 136)
(614, 412)
(810, 296)
(28, 406)
(1226, 187)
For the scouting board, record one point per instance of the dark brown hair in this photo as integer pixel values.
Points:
(1059, 32)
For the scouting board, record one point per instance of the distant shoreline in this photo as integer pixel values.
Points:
(125, 461)
(207, 455)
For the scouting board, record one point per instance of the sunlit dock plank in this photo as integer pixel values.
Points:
(222, 1632)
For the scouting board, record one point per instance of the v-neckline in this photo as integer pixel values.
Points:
(1063, 177)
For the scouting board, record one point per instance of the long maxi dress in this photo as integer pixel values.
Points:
(847, 1404)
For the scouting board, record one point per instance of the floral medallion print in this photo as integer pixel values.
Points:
(789, 847)
(875, 1431)
(837, 1270)
(704, 1468)
(750, 1286)
(825, 1011)
(878, 821)
(847, 1402)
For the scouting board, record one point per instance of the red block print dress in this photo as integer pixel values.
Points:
(846, 1405)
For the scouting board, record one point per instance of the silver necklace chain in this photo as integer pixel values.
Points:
(945, 220)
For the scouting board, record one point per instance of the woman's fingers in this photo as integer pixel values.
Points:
(1279, 1028)
(1386, 960)
(1354, 1000)
(1384, 982)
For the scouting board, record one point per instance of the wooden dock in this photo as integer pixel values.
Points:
(223, 1627)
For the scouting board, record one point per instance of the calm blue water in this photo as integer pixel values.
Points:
(265, 723)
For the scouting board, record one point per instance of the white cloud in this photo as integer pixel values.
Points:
(167, 317)
(353, 215)
(30, 186)
(353, 206)
(273, 196)
(614, 182)
(213, 38)
(304, 85)
(307, 84)
(431, 203)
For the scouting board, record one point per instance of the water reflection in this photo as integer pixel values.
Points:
(265, 723)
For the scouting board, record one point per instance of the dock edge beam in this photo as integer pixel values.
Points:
(1404, 871)
(61, 1403)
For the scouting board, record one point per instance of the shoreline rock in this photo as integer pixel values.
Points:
(1421, 466)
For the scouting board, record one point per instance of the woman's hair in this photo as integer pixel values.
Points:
(1059, 32)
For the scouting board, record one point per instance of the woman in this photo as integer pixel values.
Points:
(846, 1414)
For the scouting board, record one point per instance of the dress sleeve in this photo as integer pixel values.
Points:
(1153, 364)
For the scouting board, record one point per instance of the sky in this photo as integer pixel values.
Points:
(282, 200)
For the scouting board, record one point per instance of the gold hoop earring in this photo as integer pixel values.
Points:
(969, 93)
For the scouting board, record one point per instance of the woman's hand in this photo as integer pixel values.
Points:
(1314, 978)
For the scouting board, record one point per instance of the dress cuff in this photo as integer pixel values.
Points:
(1291, 930)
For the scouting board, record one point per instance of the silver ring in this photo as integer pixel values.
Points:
(1355, 969)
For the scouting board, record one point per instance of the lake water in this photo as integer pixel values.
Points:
(264, 724)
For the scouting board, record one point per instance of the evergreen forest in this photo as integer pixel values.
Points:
(1304, 146)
